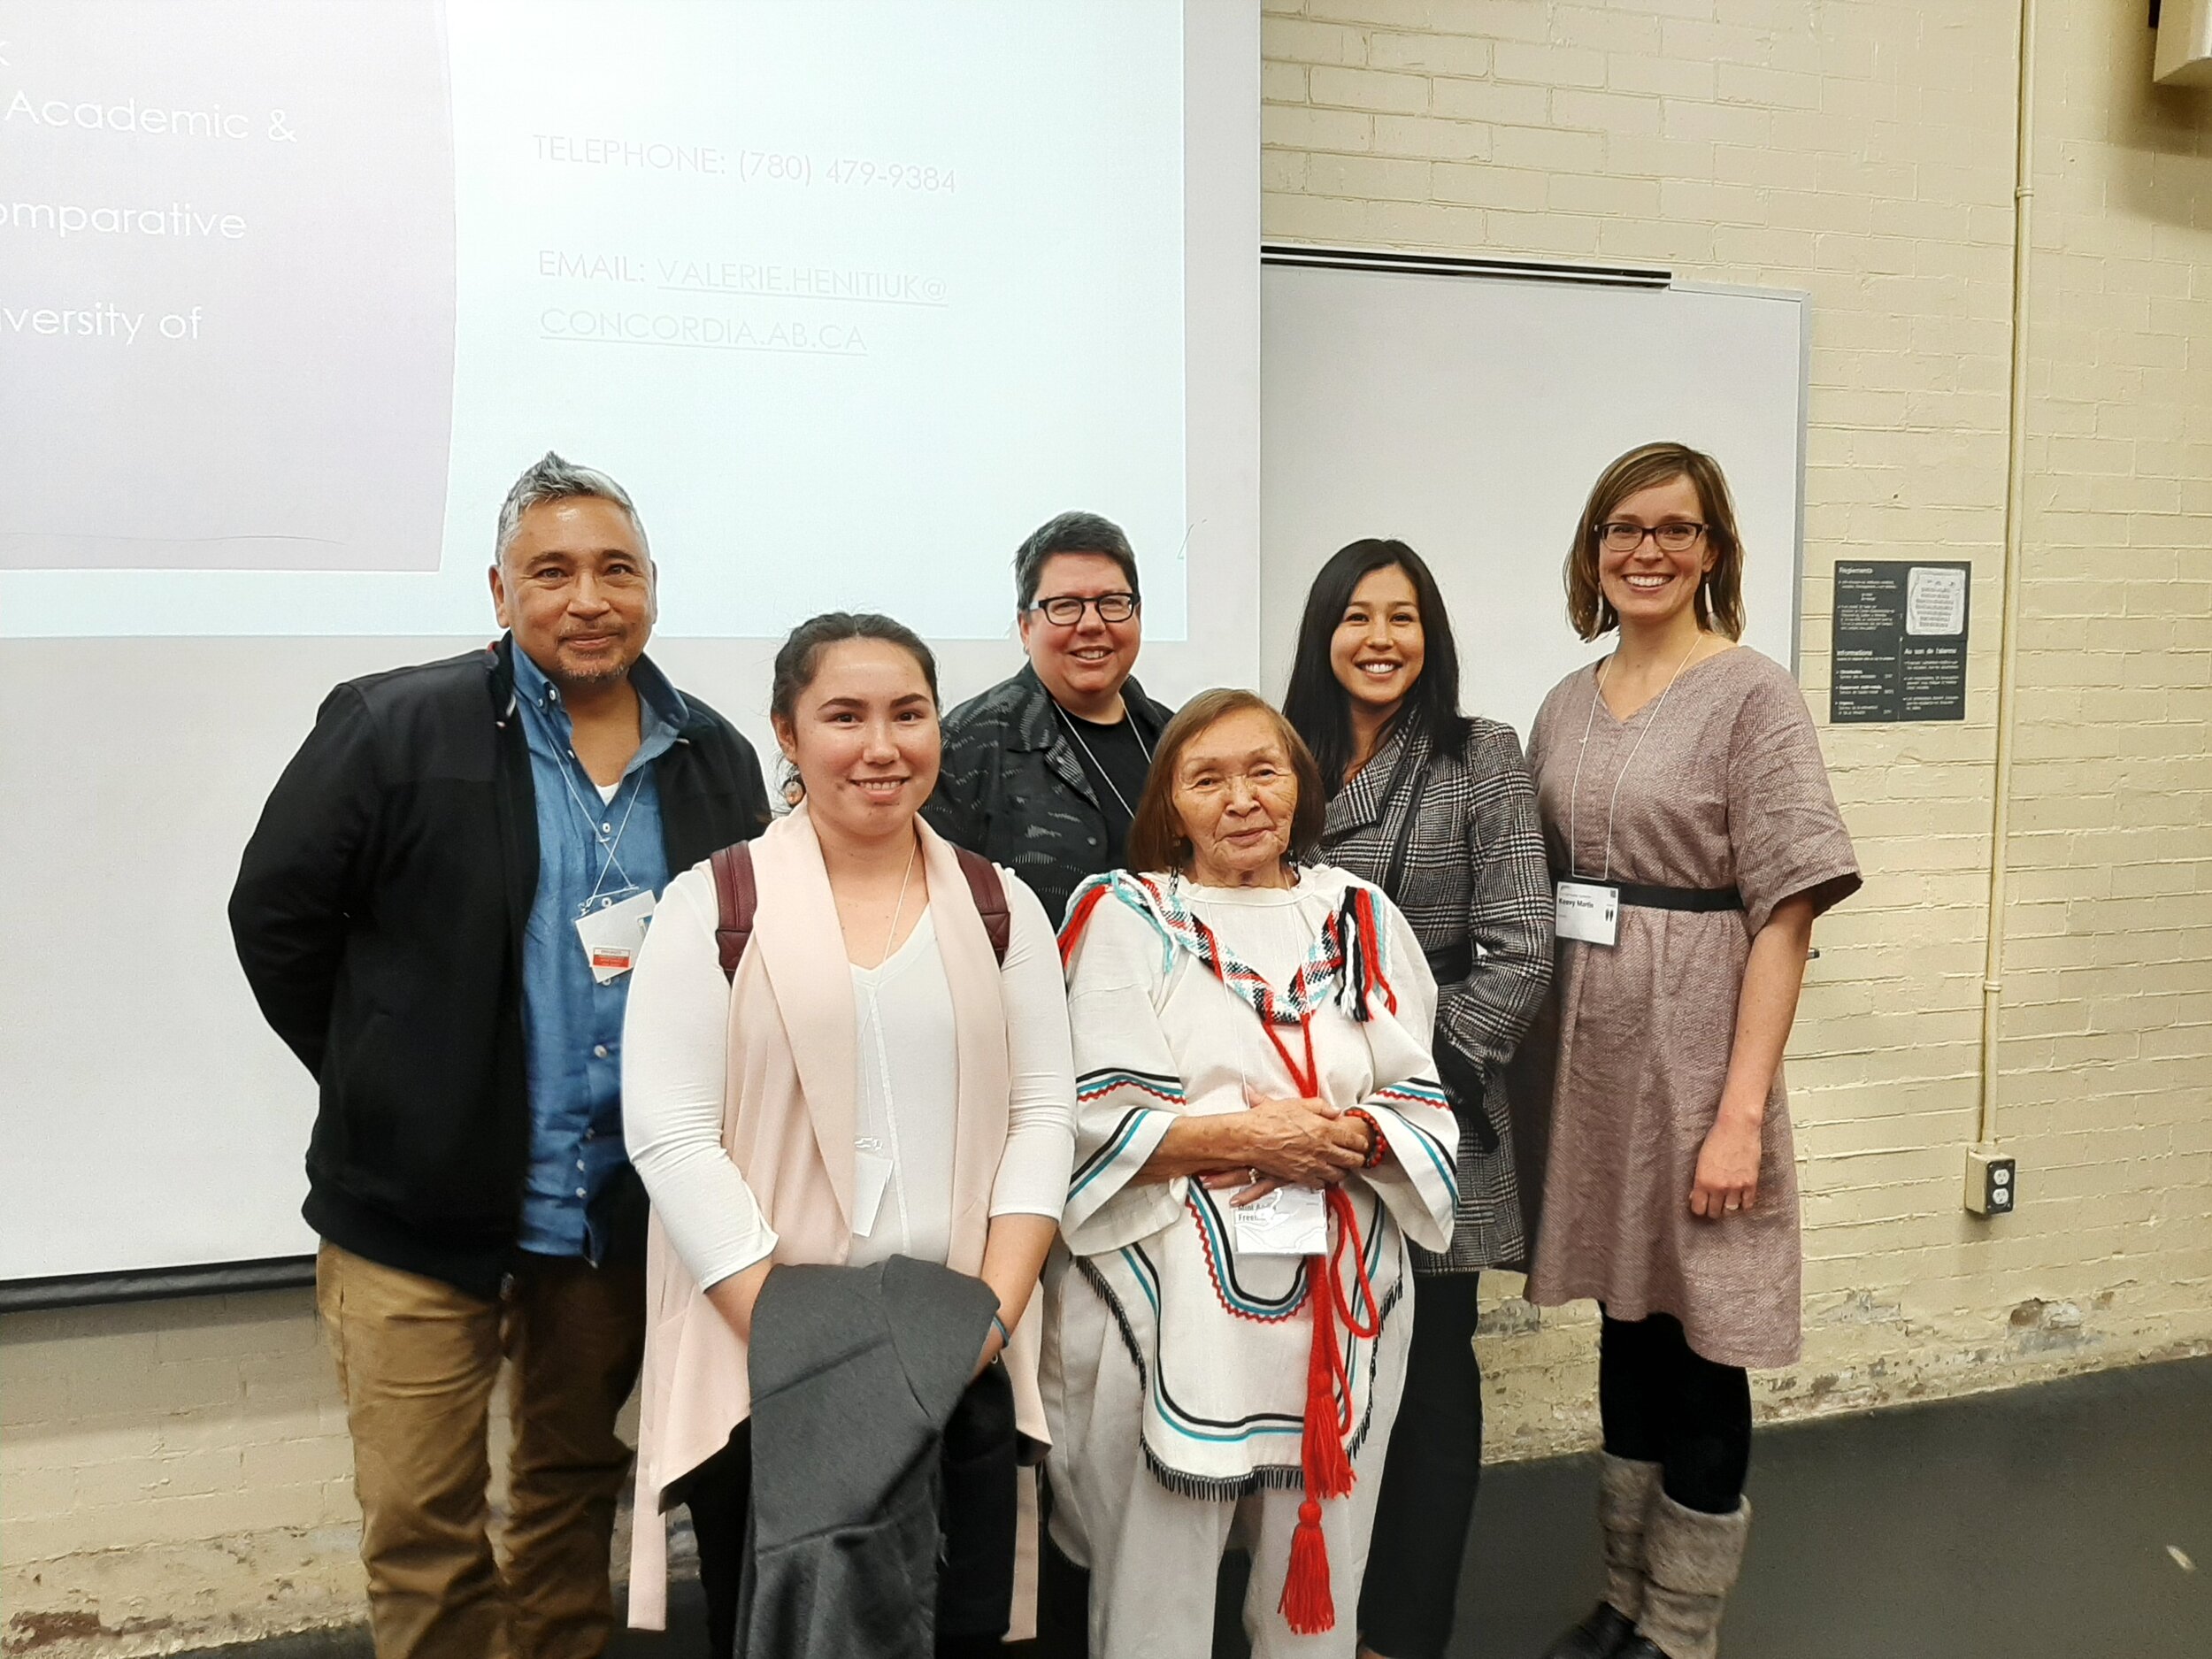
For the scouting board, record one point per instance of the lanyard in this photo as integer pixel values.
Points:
(1067, 720)
(1324, 1271)
(609, 845)
(1574, 795)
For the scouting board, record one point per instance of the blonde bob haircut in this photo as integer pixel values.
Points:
(1156, 840)
(1719, 598)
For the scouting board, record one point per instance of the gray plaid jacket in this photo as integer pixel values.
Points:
(1475, 881)
(1012, 789)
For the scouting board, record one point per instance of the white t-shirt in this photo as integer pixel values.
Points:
(675, 1053)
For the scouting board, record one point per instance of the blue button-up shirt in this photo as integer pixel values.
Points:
(588, 850)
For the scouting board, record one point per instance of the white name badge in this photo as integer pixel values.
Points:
(1587, 911)
(1289, 1221)
(612, 936)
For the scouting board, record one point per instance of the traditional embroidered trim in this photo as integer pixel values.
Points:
(1266, 1477)
(1094, 1086)
(1416, 1093)
(1154, 1389)
(1210, 1241)
(1447, 1169)
(1347, 962)
(1111, 1148)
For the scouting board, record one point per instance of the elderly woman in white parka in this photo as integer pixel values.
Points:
(1259, 1131)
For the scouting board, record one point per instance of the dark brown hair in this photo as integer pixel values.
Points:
(800, 655)
(1156, 842)
(1080, 532)
(800, 658)
(1719, 598)
(1321, 709)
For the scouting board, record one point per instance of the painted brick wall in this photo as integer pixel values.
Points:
(1864, 152)
(171, 1473)
(177, 1474)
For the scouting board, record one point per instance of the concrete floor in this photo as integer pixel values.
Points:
(2034, 1523)
(2030, 1525)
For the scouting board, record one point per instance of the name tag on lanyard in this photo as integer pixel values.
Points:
(1290, 1221)
(1589, 911)
(612, 934)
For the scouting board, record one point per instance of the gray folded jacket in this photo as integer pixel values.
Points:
(855, 1372)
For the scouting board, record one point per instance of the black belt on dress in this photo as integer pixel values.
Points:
(1647, 896)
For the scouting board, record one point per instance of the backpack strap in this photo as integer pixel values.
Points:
(989, 894)
(737, 896)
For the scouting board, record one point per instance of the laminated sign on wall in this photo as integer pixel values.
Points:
(1899, 641)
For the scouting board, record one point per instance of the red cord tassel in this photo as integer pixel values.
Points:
(1307, 1606)
(1328, 1473)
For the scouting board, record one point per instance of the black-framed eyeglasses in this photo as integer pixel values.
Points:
(1065, 611)
(1618, 536)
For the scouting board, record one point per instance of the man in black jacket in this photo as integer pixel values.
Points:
(437, 912)
(1042, 772)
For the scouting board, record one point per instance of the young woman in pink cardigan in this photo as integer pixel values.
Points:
(873, 1082)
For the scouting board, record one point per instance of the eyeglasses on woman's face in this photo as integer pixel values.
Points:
(1620, 536)
(1065, 611)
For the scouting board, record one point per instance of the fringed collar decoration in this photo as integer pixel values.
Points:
(1348, 962)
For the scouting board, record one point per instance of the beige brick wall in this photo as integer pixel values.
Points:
(1864, 152)
(171, 1473)
(174, 1473)
(177, 1474)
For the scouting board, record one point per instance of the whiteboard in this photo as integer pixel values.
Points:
(1468, 415)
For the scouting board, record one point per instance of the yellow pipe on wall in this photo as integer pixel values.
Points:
(2008, 617)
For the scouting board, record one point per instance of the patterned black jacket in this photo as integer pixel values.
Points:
(1013, 789)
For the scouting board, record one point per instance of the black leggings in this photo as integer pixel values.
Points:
(1663, 1404)
(1429, 1478)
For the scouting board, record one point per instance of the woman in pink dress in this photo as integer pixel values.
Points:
(1694, 838)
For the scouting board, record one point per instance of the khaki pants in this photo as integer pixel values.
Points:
(417, 1360)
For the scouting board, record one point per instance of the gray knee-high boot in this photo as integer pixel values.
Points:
(1626, 1490)
(1691, 1560)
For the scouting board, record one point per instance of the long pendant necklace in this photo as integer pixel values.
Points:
(899, 909)
(1067, 720)
(1574, 795)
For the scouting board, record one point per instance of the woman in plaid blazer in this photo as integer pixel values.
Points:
(1437, 809)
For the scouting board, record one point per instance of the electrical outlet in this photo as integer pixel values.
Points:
(1993, 1185)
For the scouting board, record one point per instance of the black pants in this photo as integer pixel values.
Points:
(1663, 1404)
(975, 1575)
(1064, 1592)
(1429, 1474)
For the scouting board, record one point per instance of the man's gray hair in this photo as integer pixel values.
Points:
(554, 479)
(1070, 533)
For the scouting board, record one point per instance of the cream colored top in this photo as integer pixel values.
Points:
(675, 1060)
